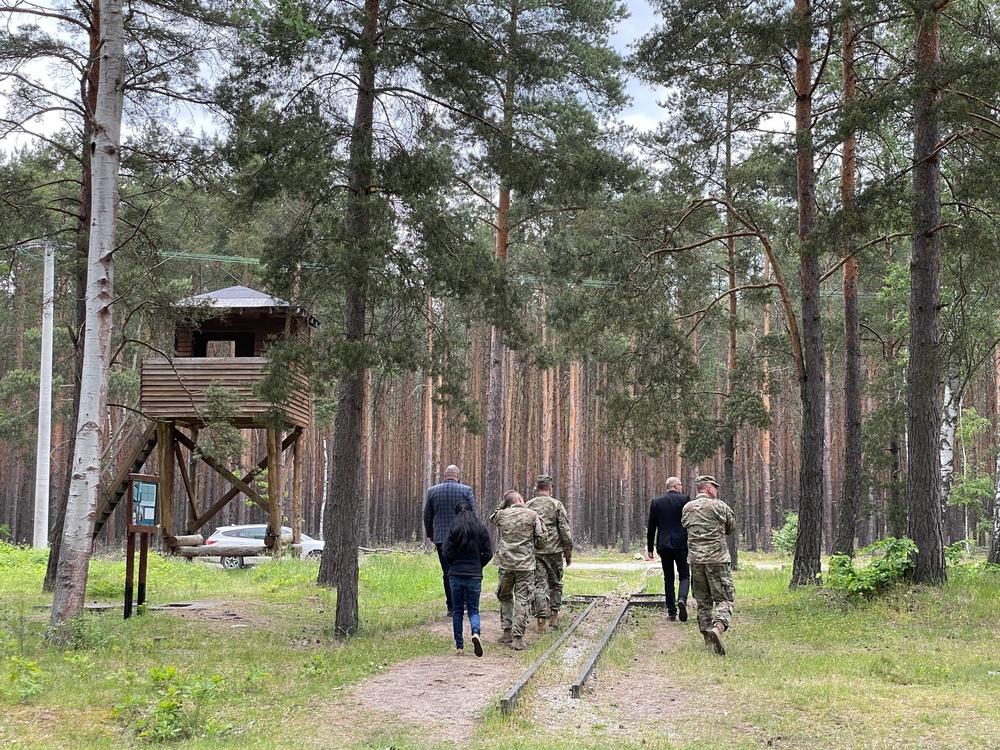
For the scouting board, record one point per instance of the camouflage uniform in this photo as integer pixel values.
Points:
(708, 521)
(520, 531)
(558, 542)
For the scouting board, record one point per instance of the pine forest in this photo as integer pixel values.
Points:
(787, 276)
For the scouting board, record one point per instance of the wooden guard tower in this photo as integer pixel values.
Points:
(225, 349)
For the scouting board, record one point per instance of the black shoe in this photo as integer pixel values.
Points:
(682, 611)
(671, 618)
(477, 644)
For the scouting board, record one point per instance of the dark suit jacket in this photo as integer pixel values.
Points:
(664, 524)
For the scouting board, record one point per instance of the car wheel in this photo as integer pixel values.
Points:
(231, 563)
(314, 555)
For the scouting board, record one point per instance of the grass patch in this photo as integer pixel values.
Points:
(806, 669)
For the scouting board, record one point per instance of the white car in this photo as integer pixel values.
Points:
(252, 535)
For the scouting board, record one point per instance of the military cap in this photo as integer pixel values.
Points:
(706, 479)
(543, 480)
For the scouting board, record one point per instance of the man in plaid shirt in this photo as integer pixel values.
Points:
(439, 512)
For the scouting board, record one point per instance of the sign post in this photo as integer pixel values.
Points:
(144, 519)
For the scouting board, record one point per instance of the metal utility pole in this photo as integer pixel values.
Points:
(43, 457)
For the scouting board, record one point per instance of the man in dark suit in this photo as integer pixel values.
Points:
(439, 512)
(664, 527)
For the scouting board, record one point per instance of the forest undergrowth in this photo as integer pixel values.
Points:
(257, 662)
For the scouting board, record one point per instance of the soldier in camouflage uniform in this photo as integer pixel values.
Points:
(708, 521)
(550, 553)
(520, 531)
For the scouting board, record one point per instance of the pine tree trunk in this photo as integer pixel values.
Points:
(851, 484)
(765, 478)
(993, 556)
(573, 452)
(923, 480)
(339, 565)
(806, 565)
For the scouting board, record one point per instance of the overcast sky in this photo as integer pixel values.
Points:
(643, 111)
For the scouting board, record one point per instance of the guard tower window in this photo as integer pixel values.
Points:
(242, 344)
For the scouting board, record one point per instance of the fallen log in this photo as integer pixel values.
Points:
(231, 550)
(221, 550)
(187, 540)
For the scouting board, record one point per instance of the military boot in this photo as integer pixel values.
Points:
(541, 624)
(554, 618)
(517, 644)
(507, 636)
(714, 637)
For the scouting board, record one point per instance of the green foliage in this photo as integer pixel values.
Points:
(22, 680)
(955, 553)
(123, 386)
(177, 706)
(891, 563)
(971, 490)
(16, 419)
(220, 439)
(783, 539)
(315, 667)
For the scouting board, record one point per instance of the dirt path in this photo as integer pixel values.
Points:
(440, 699)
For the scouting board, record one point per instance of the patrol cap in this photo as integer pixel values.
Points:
(706, 479)
(543, 480)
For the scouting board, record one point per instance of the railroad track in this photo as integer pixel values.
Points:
(571, 658)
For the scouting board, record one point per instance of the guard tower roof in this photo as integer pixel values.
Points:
(242, 297)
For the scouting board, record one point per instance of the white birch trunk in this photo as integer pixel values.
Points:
(74, 558)
(949, 423)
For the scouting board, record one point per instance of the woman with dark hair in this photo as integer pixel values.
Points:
(467, 549)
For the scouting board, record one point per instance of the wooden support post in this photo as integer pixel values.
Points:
(164, 445)
(143, 554)
(274, 485)
(192, 501)
(297, 450)
(238, 484)
(129, 573)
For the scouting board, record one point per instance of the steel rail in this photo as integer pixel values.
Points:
(584, 673)
(509, 700)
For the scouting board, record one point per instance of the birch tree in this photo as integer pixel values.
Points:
(74, 560)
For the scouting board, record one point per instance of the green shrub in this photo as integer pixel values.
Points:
(783, 539)
(22, 680)
(891, 563)
(177, 709)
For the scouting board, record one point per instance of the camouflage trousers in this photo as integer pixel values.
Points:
(548, 583)
(514, 593)
(712, 587)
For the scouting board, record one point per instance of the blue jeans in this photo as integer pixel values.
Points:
(465, 594)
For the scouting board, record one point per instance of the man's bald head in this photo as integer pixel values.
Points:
(673, 484)
(452, 472)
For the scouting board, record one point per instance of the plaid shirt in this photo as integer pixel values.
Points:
(439, 509)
